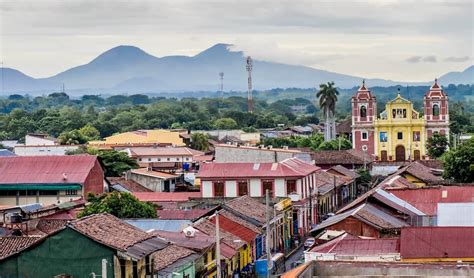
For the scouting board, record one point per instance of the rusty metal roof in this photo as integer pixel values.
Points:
(46, 169)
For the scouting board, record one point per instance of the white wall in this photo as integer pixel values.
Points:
(165, 158)
(206, 189)
(36, 141)
(255, 188)
(456, 214)
(280, 188)
(231, 189)
(43, 150)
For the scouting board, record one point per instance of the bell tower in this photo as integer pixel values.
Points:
(436, 111)
(364, 110)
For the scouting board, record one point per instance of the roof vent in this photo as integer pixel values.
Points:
(256, 166)
(64, 176)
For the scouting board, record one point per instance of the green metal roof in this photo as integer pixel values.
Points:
(41, 186)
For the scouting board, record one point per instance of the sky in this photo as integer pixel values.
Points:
(398, 40)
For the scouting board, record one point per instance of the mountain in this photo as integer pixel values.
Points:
(129, 69)
(455, 77)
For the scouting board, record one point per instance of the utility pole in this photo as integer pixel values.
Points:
(267, 238)
(218, 247)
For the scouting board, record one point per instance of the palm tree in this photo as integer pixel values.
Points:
(327, 102)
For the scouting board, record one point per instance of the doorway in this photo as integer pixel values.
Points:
(416, 155)
(400, 153)
(383, 155)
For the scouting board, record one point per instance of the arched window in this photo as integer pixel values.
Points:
(435, 110)
(363, 112)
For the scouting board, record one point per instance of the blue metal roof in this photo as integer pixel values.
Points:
(5, 152)
(30, 207)
(158, 224)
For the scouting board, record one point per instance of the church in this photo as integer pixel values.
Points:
(398, 133)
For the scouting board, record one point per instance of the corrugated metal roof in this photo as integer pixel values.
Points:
(199, 242)
(46, 169)
(4, 152)
(30, 207)
(146, 247)
(437, 242)
(396, 202)
(157, 224)
(291, 167)
(427, 199)
(166, 196)
(120, 188)
(355, 246)
(236, 229)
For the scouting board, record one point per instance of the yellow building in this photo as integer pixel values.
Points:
(400, 132)
(140, 138)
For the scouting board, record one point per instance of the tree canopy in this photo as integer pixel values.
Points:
(436, 145)
(459, 163)
(120, 204)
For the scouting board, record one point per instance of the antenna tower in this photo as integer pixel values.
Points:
(221, 84)
(249, 93)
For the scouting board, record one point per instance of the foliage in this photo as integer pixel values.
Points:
(115, 163)
(225, 123)
(315, 142)
(327, 95)
(459, 164)
(120, 204)
(200, 141)
(436, 145)
(89, 132)
(365, 177)
(73, 137)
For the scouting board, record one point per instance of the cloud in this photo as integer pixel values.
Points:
(424, 59)
(460, 59)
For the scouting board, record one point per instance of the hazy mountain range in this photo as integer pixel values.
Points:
(128, 69)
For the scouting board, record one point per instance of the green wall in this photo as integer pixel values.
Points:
(65, 252)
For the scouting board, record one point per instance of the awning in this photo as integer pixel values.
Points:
(40, 186)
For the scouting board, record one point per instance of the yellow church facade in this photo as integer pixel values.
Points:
(400, 132)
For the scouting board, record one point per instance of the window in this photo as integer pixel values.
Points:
(139, 159)
(242, 186)
(7, 192)
(400, 135)
(383, 136)
(364, 135)
(48, 192)
(416, 136)
(168, 159)
(159, 159)
(290, 187)
(187, 158)
(363, 112)
(219, 189)
(435, 110)
(404, 113)
(177, 159)
(267, 185)
(149, 159)
(71, 192)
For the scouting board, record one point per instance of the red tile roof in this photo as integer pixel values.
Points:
(130, 185)
(347, 244)
(169, 255)
(199, 242)
(46, 169)
(109, 230)
(291, 167)
(50, 226)
(247, 206)
(166, 196)
(421, 172)
(14, 244)
(180, 214)
(427, 199)
(235, 228)
(351, 156)
(437, 242)
(209, 228)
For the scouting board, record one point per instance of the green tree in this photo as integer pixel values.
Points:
(225, 123)
(115, 163)
(436, 145)
(327, 102)
(459, 164)
(73, 137)
(89, 132)
(120, 204)
(200, 141)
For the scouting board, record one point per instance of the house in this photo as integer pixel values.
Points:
(350, 175)
(240, 256)
(437, 244)
(365, 220)
(291, 178)
(159, 224)
(245, 137)
(225, 153)
(334, 191)
(40, 139)
(122, 184)
(43, 150)
(202, 244)
(100, 244)
(49, 180)
(154, 157)
(183, 214)
(154, 180)
(350, 159)
(347, 247)
(344, 129)
(175, 260)
(139, 138)
(399, 133)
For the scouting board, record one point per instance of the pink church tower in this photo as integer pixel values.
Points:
(364, 113)
(436, 111)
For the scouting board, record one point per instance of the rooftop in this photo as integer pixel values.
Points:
(4, 153)
(169, 255)
(166, 196)
(267, 148)
(247, 206)
(180, 214)
(46, 169)
(127, 184)
(158, 224)
(12, 245)
(163, 151)
(325, 181)
(291, 167)
(154, 174)
(199, 242)
(209, 228)
(350, 245)
(344, 171)
(437, 242)
(142, 137)
(235, 228)
(350, 156)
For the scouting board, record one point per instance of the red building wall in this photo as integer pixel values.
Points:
(355, 227)
(95, 180)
